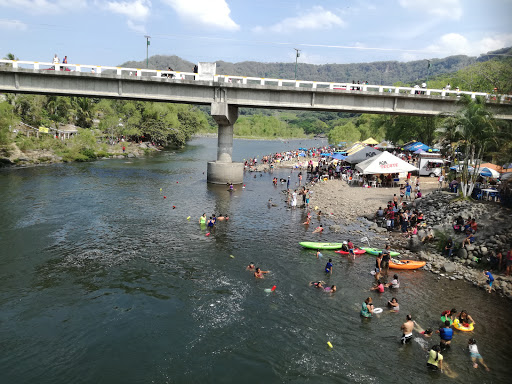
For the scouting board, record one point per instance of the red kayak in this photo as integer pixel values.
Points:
(356, 251)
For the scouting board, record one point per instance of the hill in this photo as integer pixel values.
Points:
(379, 72)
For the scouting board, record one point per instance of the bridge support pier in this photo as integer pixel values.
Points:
(224, 170)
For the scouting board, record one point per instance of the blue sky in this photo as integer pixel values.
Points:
(327, 31)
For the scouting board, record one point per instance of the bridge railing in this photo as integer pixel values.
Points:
(247, 80)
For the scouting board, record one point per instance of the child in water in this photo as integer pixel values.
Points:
(318, 254)
(379, 287)
(328, 267)
(475, 355)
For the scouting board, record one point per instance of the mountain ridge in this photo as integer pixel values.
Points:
(377, 72)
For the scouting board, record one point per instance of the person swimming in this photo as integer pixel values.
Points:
(318, 254)
(258, 273)
(393, 304)
(317, 284)
(330, 289)
(475, 355)
(202, 219)
(250, 267)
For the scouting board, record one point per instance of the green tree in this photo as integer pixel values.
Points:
(348, 133)
(84, 111)
(473, 127)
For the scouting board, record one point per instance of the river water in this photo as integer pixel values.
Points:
(102, 281)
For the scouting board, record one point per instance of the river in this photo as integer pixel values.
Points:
(102, 281)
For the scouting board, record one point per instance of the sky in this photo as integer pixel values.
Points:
(325, 31)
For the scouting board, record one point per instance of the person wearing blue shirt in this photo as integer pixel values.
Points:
(490, 279)
(408, 190)
(328, 267)
(446, 334)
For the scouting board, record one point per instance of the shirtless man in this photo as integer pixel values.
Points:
(407, 328)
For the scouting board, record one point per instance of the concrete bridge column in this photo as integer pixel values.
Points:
(223, 170)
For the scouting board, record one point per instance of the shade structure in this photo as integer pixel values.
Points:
(338, 156)
(370, 141)
(385, 162)
(506, 176)
(385, 145)
(419, 152)
(489, 172)
(415, 146)
(361, 155)
(507, 166)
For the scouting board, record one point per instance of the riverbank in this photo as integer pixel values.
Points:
(344, 204)
(16, 155)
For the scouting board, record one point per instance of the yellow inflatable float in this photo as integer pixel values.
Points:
(460, 327)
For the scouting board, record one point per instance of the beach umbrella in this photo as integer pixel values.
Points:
(507, 166)
(338, 156)
(302, 154)
(506, 176)
(489, 172)
(419, 152)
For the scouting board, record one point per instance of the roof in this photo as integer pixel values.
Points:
(370, 141)
(385, 162)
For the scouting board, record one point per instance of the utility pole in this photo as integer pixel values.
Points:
(297, 55)
(428, 71)
(148, 43)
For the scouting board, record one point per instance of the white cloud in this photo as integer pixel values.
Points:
(138, 10)
(449, 9)
(457, 44)
(316, 18)
(13, 25)
(44, 6)
(212, 13)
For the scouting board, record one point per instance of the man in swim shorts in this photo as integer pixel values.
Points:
(407, 328)
(384, 264)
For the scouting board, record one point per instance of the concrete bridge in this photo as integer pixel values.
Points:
(227, 93)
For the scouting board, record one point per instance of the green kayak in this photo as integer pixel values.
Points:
(314, 245)
(375, 251)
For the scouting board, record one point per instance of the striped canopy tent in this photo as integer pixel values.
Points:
(362, 155)
(370, 141)
(354, 148)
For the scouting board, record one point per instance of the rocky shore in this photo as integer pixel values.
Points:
(353, 209)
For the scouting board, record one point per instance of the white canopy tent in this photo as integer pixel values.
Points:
(385, 162)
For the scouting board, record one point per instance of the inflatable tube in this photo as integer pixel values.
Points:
(377, 310)
(460, 327)
(443, 319)
(406, 264)
(356, 251)
(376, 252)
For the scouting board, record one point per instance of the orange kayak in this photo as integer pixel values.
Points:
(406, 264)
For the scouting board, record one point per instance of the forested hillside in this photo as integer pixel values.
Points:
(380, 72)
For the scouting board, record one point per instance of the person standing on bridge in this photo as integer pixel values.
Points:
(55, 61)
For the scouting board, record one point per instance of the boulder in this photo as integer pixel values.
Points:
(131, 155)
(448, 267)
(335, 228)
(462, 253)
(415, 244)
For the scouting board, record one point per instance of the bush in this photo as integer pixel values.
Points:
(88, 153)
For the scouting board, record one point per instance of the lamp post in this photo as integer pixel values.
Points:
(297, 55)
(148, 43)
(428, 71)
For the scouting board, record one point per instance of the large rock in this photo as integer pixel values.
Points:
(448, 267)
(335, 228)
(131, 155)
(415, 244)
(462, 253)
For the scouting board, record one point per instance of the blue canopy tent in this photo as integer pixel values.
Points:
(302, 154)
(325, 154)
(415, 146)
(338, 156)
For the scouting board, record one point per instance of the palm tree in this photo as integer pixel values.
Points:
(9, 56)
(84, 111)
(472, 128)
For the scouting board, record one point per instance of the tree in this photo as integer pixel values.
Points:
(84, 111)
(473, 127)
(347, 133)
